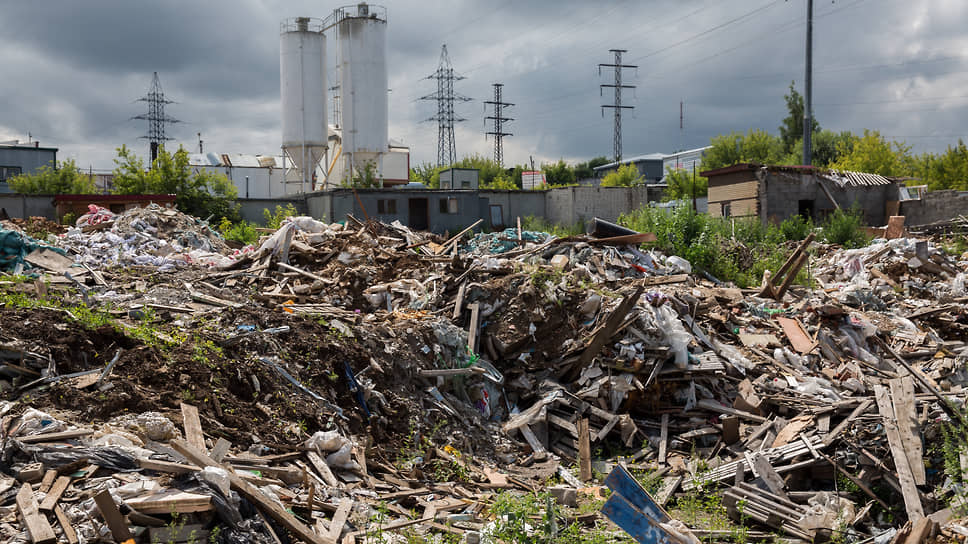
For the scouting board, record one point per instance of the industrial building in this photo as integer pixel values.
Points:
(460, 178)
(254, 176)
(23, 158)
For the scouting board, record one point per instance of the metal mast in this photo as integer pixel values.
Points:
(807, 94)
(156, 116)
(445, 97)
(617, 105)
(499, 121)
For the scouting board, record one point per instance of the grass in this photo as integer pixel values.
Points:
(540, 224)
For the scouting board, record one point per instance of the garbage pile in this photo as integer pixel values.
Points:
(154, 236)
(342, 381)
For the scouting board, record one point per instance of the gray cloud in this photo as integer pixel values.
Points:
(73, 71)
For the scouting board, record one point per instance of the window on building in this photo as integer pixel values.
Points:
(7, 172)
(386, 206)
(465, 185)
(448, 205)
(724, 210)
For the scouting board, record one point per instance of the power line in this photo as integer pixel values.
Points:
(617, 106)
(445, 118)
(499, 121)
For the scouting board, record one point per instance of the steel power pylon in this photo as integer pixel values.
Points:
(499, 120)
(445, 97)
(617, 106)
(156, 117)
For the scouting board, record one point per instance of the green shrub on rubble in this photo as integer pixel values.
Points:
(846, 228)
(243, 232)
(796, 227)
(274, 220)
(540, 224)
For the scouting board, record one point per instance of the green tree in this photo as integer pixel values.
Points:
(756, 146)
(558, 173)
(873, 154)
(585, 170)
(502, 182)
(426, 173)
(948, 170)
(364, 178)
(487, 168)
(826, 145)
(626, 175)
(791, 128)
(65, 178)
(200, 193)
(680, 184)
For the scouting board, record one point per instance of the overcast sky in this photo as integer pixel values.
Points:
(72, 71)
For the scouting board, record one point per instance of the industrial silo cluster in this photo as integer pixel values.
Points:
(323, 155)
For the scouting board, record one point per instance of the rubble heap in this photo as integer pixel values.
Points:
(338, 370)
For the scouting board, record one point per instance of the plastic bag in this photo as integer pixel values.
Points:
(147, 426)
(34, 421)
(218, 477)
(733, 355)
(680, 263)
(342, 458)
(326, 441)
(676, 335)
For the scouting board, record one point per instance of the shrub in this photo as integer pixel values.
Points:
(796, 227)
(845, 228)
(274, 220)
(243, 231)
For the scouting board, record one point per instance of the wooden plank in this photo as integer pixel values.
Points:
(193, 427)
(172, 501)
(788, 433)
(69, 533)
(663, 438)
(912, 502)
(339, 519)
(713, 406)
(38, 528)
(796, 334)
(112, 516)
(861, 408)
(905, 413)
(612, 323)
(458, 308)
(48, 481)
(584, 450)
(220, 448)
(54, 495)
(532, 440)
(255, 496)
(55, 437)
(323, 469)
(895, 227)
(165, 466)
(473, 326)
(179, 533)
(769, 475)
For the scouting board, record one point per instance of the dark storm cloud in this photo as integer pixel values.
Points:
(74, 69)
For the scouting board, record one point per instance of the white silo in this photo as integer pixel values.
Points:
(362, 53)
(302, 67)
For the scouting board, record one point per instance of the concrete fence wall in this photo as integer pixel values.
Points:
(24, 206)
(935, 206)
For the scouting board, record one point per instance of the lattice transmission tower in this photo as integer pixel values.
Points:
(156, 117)
(445, 97)
(617, 106)
(499, 120)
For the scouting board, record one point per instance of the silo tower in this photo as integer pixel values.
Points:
(361, 54)
(302, 69)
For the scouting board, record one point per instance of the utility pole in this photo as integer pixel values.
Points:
(807, 91)
(156, 117)
(617, 106)
(445, 97)
(499, 121)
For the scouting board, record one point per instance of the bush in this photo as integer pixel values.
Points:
(243, 231)
(796, 227)
(274, 220)
(846, 228)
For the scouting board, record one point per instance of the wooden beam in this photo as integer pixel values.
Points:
(38, 528)
(475, 309)
(339, 519)
(112, 516)
(663, 438)
(912, 502)
(768, 474)
(905, 413)
(584, 450)
(614, 320)
(69, 533)
(252, 493)
(193, 427)
(54, 495)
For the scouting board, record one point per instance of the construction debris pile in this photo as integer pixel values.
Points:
(348, 382)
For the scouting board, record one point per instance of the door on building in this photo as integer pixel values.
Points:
(805, 209)
(419, 216)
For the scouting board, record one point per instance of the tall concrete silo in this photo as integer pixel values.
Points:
(362, 54)
(302, 69)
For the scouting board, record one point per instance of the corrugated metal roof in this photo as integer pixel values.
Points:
(856, 179)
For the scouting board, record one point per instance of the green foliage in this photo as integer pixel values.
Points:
(756, 146)
(540, 224)
(515, 513)
(791, 129)
(274, 220)
(845, 228)
(558, 173)
(682, 183)
(585, 170)
(200, 193)
(948, 170)
(364, 178)
(243, 231)
(626, 175)
(502, 182)
(426, 173)
(488, 169)
(63, 179)
(796, 227)
(873, 154)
